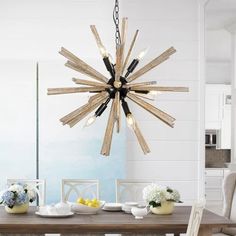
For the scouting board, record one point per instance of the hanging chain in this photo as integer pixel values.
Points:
(116, 21)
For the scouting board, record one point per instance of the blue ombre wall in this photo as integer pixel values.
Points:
(74, 153)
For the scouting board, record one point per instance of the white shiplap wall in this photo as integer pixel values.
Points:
(174, 156)
(35, 30)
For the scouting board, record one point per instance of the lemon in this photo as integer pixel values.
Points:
(87, 202)
(91, 204)
(80, 200)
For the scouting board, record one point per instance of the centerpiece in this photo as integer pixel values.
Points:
(17, 198)
(161, 199)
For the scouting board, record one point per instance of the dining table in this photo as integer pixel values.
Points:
(110, 222)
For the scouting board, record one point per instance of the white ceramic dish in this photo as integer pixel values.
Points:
(139, 213)
(112, 207)
(54, 215)
(83, 209)
(126, 207)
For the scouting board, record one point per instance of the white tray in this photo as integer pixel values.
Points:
(54, 215)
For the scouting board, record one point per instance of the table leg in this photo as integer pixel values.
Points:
(205, 231)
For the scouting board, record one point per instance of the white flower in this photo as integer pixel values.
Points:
(31, 192)
(156, 193)
(16, 188)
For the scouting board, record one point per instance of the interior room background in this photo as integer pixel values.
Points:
(33, 31)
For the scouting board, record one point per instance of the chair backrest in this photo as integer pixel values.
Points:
(195, 218)
(71, 189)
(38, 185)
(129, 190)
(229, 196)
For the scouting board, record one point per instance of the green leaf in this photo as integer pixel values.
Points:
(169, 190)
(155, 204)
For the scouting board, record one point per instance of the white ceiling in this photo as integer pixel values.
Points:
(220, 13)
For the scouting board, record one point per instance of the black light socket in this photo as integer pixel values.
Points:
(125, 107)
(102, 108)
(131, 67)
(109, 66)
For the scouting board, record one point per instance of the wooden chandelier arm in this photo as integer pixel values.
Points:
(155, 62)
(129, 51)
(83, 65)
(57, 91)
(160, 89)
(169, 120)
(106, 146)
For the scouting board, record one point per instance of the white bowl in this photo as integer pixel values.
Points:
(83, 209)
(112, 206)
(139, 213)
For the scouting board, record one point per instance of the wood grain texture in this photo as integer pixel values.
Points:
(77, 68)
(106, 146)
(144, 96)
(130, 50)
(85, 112)
(90, 83)
(96, 36)
(83, 65)
(108, 222)
(118, 62)
(161, 89)
(124, 26)
(155, 62)
(93, 101)
(130, 85)
(94, 97)
(117, 112)
(143, 144)
(169, 120)
(56, 91)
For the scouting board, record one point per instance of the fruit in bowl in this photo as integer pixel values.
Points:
(91, 203)
(86, 206)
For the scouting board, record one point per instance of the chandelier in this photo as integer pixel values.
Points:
(117, 88)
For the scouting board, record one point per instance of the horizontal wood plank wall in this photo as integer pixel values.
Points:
(174, 153)
(17, 120)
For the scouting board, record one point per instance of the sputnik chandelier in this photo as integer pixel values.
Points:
(117, 88)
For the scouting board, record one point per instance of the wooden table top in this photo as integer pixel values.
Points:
(107, 222)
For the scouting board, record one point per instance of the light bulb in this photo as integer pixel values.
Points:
(153, 92)
(142, 54)
(90, 121)
(130, 121)
(103, 51)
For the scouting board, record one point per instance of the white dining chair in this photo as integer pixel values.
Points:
(128, 190)
(39, 185)
(195, 218)
(131, 190)
(71, 189)
(229, 204)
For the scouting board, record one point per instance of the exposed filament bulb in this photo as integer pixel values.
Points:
(130, 121)
(103, 51)
(142, 54)
(90, 121)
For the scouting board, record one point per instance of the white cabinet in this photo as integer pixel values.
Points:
(225, 131)
(218, 112)
(213, 107)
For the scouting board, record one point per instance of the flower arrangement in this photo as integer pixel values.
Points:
(17, 194)
(155, 195)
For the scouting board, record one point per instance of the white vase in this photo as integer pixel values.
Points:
(18, 209)
(166, 208)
